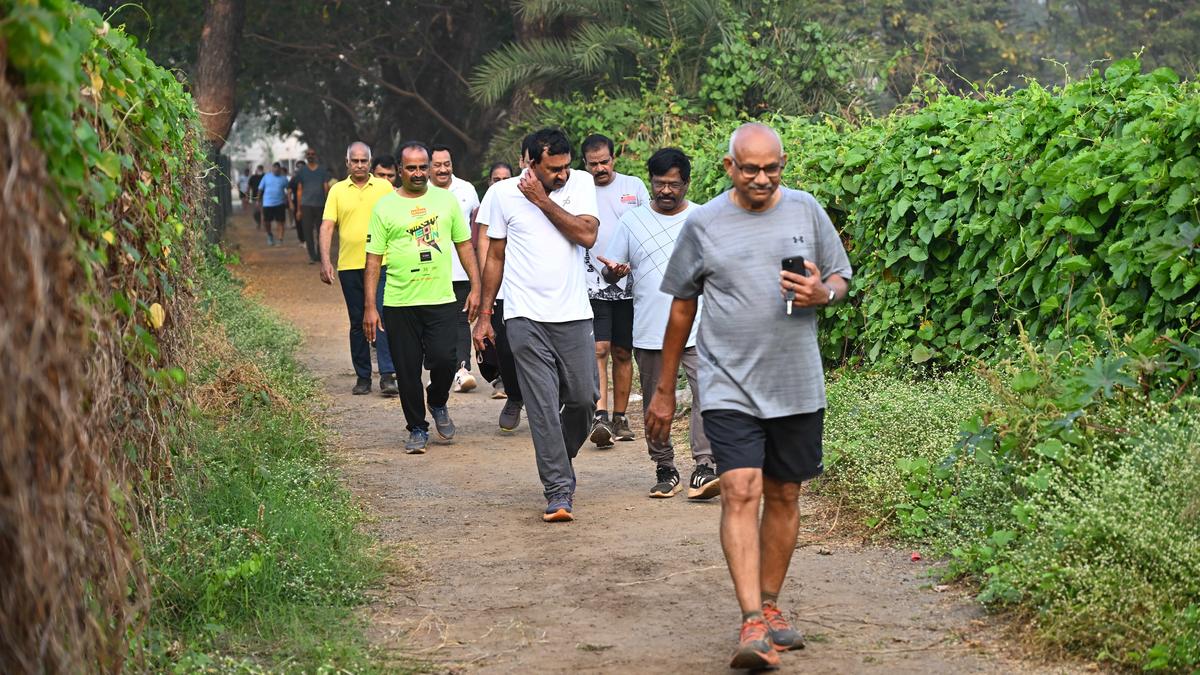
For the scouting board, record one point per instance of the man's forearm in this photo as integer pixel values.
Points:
(493, 273)
(326, 239)
(371, 279)
(466, 256)
(679, 326)
(581, 230)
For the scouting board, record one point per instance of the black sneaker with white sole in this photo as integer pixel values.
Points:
(601, 433)
(668, 483)
(705, 484)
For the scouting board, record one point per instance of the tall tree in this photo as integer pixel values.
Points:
(215, 84)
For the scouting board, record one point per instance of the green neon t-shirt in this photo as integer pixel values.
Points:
(416, 235)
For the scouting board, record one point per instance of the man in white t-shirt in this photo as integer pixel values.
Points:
(641, 249)
(612, 302)
(540, 224)
(441, 168)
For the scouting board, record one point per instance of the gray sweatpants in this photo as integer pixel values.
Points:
(556, 365)
(649, 368)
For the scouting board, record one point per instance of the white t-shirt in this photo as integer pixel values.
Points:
(543, 270)
(646, 239)
(468, 199)
(613, 200)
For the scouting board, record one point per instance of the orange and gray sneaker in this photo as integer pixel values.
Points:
(754, 650)
(783, 635)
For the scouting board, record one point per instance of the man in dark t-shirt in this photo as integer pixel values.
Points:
(312, 181)
(253, 187)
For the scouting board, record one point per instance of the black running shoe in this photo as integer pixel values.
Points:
(362, 386)
(620, 428)
(601, 434)
(668, 483)
(705, 484)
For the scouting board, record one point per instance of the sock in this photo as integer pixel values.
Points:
(618, 414)
(772, 598)
(753, 614)
(602, 415)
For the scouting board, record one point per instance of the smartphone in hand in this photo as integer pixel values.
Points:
(793, 264)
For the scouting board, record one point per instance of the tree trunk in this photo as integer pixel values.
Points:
(215, 84)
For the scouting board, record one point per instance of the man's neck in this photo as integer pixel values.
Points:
(360, 181)
(405, 192)
(312, 165)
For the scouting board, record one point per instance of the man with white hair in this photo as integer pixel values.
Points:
(348, 210)
(763, 389)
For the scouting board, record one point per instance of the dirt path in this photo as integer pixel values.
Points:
(633, 585)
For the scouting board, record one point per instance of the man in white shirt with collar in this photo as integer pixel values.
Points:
(540, 225)
(441, 166)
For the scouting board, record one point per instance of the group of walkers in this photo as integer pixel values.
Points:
(562, 272)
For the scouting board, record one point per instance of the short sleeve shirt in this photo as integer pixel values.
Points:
(468, 200)
(754, 357)
(274, 190)
(312, 184)
(543, 270)
(645, 239)
(350, 207)
(416, 235)
(613, 200)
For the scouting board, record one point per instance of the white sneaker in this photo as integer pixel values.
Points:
(498, 389)
(464, 381)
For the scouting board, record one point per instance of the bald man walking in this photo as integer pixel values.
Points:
(763, 399)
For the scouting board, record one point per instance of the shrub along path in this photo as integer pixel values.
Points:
(633, 584)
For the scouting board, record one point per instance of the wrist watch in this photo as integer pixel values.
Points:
(832, 295)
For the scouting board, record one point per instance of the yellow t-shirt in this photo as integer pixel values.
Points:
(350, 207)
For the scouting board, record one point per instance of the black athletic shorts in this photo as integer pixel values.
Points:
(275, 214)
(613, 322)
(787, 449)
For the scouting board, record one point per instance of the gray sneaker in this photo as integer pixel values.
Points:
(620, 428)
(510, 415)
(388, 385)
(417, 439)
(442, 421)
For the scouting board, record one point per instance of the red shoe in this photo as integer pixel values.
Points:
(754, 650)
(783, 635)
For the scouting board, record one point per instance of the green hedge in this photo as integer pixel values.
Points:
(968, 215)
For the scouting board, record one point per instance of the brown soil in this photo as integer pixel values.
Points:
(634, 584)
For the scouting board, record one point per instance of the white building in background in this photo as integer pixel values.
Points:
(252, 143)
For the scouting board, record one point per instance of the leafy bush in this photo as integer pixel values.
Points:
(971, 214)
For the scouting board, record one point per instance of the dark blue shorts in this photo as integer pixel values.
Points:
(787, 449)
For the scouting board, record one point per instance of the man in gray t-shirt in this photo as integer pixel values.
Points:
(313, 180)
(763, 389)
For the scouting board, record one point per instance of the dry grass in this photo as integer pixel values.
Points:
(83, 418)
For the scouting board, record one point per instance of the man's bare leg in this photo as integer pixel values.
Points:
(741, 493)
(622, 378)
(602, 351)
(780, 526)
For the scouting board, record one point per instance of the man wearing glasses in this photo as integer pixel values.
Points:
(762, 385)
(348, 209)
(641, 247)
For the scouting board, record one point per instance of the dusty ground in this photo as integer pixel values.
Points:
(633, 584)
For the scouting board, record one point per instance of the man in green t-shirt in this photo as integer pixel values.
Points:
(415, 226)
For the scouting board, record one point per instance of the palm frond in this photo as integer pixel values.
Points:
(517, 64)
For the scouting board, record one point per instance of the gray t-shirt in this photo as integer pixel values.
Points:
(754, 358)
(313, 182)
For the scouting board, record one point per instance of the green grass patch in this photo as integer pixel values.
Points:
(257, 560)
(1065, 482)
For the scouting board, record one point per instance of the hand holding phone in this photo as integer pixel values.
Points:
(795, 265)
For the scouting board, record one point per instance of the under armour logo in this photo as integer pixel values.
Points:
(798, 240)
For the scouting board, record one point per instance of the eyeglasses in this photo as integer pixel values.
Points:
(674, 186)
(749, 171)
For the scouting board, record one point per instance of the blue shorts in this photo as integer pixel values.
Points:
(787, 449)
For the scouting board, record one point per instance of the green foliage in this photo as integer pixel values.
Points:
(973, 214)
(258, 552)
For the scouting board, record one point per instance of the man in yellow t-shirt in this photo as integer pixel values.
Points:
(416, 227)
(348, 209)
